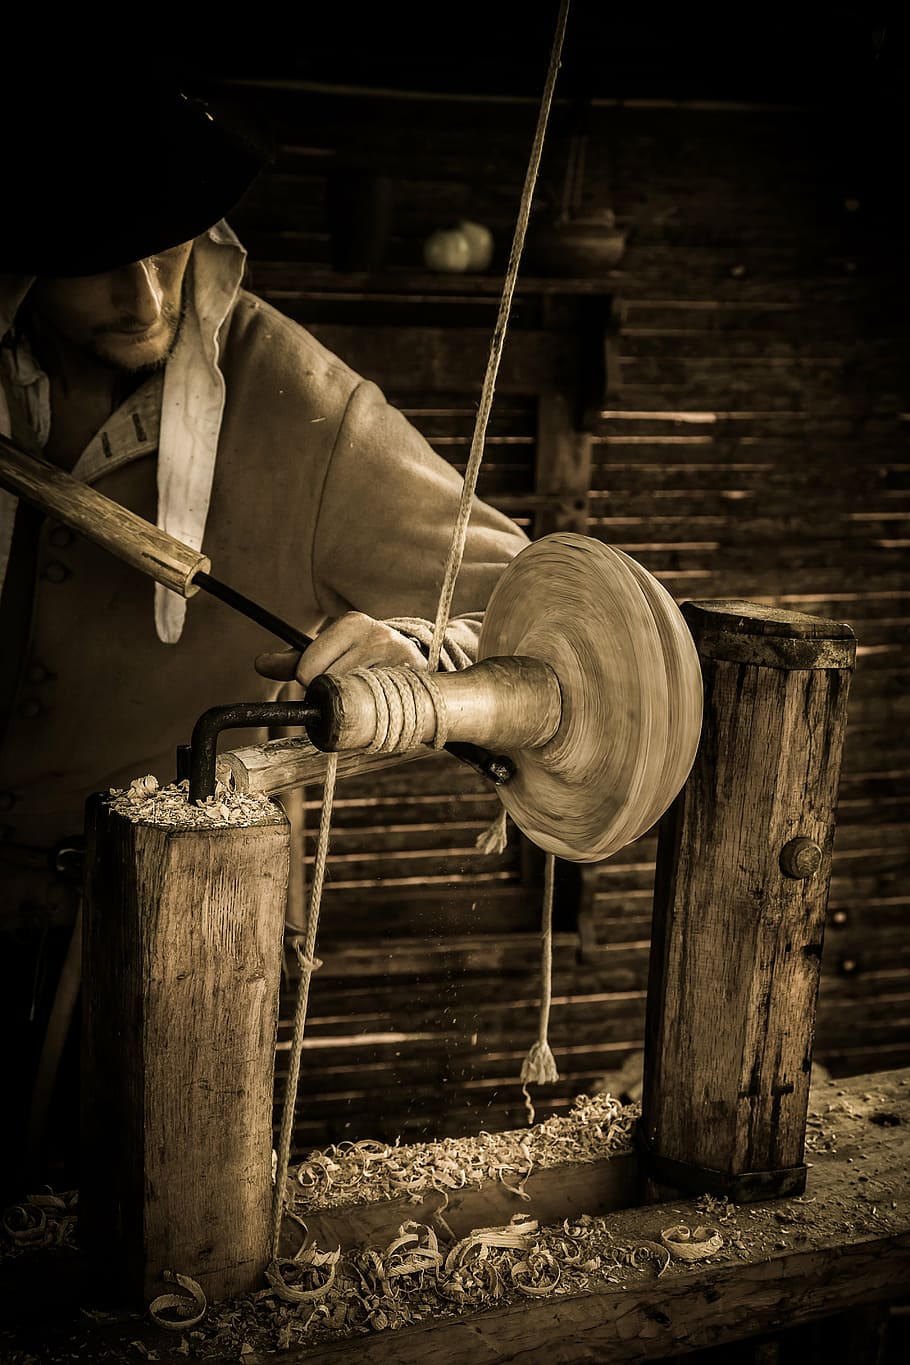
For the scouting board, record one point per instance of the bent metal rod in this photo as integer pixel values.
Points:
(160, 556)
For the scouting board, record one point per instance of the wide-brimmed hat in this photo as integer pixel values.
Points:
(97, 174)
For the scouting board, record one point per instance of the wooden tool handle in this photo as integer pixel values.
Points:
(101, 520)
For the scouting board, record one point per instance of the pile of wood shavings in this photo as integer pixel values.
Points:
(414, 1280)
(351, 1173)
(146, 802)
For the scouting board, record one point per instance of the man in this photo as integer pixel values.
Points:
(133, 356)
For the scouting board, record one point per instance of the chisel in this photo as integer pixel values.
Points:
(162, 557)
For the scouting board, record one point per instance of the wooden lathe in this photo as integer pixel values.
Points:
(722, 720)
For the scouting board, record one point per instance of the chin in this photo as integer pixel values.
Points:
(136, 356)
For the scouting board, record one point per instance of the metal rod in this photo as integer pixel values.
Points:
(197, 760)
(204, 740)
(247, 607)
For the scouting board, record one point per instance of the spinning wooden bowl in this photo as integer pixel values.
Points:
(588, 679)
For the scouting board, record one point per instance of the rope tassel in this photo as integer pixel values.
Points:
(539, 1067)
(495, 837)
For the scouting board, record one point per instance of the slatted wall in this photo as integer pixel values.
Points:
(752, 443)
(758, 448)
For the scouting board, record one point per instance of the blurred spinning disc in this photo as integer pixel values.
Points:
(631, 689)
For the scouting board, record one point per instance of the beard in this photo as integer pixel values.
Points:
(117, 358)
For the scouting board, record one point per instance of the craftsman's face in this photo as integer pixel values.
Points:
(126, 318)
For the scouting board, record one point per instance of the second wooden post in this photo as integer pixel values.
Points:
(744, 859)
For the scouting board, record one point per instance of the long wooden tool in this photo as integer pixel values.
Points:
(128, 536)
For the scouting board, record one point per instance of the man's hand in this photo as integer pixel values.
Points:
(352, 641)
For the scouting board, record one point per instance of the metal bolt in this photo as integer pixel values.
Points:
(55, 572)
(800, 858)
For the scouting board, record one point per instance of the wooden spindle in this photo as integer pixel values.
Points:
(182, 960)
(744, 859)
(510, 702)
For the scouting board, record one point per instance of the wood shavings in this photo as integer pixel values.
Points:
(145, 802)
(25, 1223)
(538, 1275)
(518, 1233)
(412, 1280)
(306, 1277)
(638, 1255)
(716, 1206)
(189, 1307)
(422, 1250)
(42, 1220)
(352, 1173)
(691, 1244)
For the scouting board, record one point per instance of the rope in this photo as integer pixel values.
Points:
(539, 1067)
(396, 699)
(308, 964)
(460, 530)
(397, 695)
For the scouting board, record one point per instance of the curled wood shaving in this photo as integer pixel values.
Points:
(642, 1252)
(320, 1297)
(518, 1189)
(41, 1220)
(519, 1233)
(190, 1307)
(716, 1206)
(25, 1223)
(537, 1276)
(422, 1250)
(300, 1278)
(691, 1244)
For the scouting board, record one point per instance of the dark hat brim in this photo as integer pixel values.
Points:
(106, 180)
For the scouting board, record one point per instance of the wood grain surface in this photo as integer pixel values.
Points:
(737, 933)
(182, 950)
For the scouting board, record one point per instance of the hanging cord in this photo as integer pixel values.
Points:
(539, 1067)
(460, 529)
(308, 964)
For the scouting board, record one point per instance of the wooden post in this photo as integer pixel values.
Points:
(563, 468)
(743, 867)
(182, 953)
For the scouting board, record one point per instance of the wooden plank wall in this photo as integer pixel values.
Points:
(758, 447)
(754, 443)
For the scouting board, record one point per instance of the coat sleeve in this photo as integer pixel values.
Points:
(387, 511)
